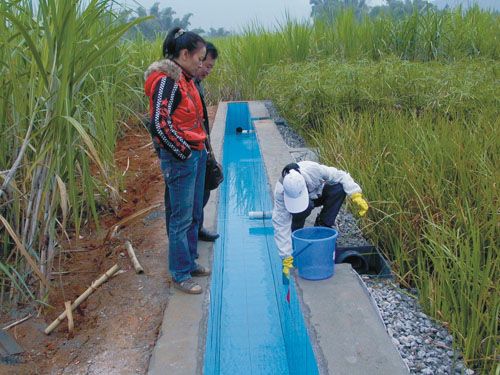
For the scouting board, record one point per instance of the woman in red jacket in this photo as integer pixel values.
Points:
(179, 138)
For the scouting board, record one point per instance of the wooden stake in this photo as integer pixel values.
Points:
(131, 253)
(69, 313)
(83, 297)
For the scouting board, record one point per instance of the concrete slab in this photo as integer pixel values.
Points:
(344, 325)
(180, 346)
(258, 110)
(347, 326)
(8, 346)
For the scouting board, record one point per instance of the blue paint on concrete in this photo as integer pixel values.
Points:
(252, 329)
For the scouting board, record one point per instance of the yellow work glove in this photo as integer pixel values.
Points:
(287, 264)
(358, 200)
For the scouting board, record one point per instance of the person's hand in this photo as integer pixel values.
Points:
(287, 264)
(358, 200)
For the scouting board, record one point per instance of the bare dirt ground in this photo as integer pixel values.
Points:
(116, 328)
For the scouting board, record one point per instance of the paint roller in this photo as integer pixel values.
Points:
(260, 215)
(240, 130)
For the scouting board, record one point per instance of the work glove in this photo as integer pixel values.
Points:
(358, 200)
(287, 264)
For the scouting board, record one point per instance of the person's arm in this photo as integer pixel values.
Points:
(333, 175)
(282, 223)
(351, 188)
(166, 98)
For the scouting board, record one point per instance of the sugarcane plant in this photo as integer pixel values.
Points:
(58, 117)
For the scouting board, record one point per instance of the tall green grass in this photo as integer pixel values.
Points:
(426, 36)
(431, 183)
(64, 86)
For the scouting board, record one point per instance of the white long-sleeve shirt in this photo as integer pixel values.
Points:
(316, 176)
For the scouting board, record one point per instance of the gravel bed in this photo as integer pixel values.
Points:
(424, 344)
(290, 136)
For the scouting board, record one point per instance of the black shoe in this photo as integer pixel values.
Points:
(205, 235)
(200, 271)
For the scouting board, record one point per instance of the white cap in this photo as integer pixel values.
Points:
(296, 194)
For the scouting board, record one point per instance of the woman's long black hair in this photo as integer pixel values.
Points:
(178, 39)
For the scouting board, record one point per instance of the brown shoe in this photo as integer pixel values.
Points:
(188, 286)
(201, 271)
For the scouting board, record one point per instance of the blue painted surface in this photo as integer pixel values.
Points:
(252, 329)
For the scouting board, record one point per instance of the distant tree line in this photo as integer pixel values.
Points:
(163, 20)
(329, 9)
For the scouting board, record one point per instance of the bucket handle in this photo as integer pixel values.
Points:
(297, 253)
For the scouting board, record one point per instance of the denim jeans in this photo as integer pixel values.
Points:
(184, 188)
(206, 197)
(331, 199)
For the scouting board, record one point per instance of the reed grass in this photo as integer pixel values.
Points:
(431, 183)
(445, 36)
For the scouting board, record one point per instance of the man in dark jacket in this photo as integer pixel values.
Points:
(208, 64)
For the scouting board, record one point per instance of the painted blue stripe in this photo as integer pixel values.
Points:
(251, 328)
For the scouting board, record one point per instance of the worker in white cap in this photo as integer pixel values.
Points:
(302, 187)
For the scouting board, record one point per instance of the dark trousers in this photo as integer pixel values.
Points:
(331, 199)
(206, 197)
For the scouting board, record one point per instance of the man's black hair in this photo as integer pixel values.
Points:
(211, 51)
(289, 167)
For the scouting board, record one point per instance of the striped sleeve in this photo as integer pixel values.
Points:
(166, 98)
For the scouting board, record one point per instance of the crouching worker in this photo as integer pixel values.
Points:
(302, 187)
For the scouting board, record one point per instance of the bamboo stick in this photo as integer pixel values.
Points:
(83, 297)
(131, 253)
(129, 218)
(69, 314)
(17, 322)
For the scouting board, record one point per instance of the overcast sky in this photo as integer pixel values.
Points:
(233, 14)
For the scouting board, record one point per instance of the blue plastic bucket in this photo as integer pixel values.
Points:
(314, 252)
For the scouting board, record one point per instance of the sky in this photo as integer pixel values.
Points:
(233, 15)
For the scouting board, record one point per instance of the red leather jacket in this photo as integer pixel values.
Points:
(176, 109)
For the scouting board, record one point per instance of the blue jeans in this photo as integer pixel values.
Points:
(184, 188)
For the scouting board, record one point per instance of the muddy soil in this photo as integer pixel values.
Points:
(116, 328)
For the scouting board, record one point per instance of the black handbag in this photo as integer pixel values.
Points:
(213, 174)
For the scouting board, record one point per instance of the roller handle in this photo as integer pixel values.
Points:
(260, 214)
